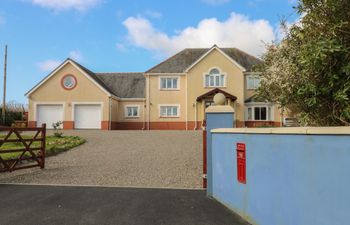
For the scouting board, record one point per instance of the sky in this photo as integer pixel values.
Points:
(126, 35)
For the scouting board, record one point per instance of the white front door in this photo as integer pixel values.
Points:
(49, 114)
(87, 116)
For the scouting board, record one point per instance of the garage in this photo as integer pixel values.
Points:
(49, 114)
(87, 116)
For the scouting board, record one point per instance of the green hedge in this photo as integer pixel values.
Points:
(10, 117)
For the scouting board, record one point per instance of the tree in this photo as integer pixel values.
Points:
(308, 72)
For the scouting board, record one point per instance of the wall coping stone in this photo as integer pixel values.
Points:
(219, 109)
(287, 130)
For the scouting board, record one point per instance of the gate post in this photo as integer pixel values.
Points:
(217, 116)
(43, 146)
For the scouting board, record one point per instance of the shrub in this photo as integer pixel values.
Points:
(57, 129)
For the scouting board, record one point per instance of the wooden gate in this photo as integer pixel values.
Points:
(17, 148)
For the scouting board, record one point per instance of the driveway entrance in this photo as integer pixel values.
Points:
(41, 205)
(123, 158)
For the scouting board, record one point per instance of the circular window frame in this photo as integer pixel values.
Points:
(75, 82)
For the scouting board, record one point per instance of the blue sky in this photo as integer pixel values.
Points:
(120, 35)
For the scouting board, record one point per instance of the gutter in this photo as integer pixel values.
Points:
(186, 104)
(195, 116)
(110, 113)
(149, 103)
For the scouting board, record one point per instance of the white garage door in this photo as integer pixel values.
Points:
(87, 116)
(49, 114)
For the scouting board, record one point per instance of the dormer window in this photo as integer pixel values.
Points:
(214, 78)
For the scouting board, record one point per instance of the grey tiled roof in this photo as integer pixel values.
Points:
(124, 85)
(184, 59)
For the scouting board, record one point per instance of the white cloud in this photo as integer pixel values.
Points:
(61, 5)
(237, 31)
(76, 55)
(215, 2)
(48, 65)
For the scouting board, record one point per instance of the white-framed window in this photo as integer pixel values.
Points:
(253, 82)
(259, 113)
(169, 83)
(169, 111)
(132, 111)
(214, 78)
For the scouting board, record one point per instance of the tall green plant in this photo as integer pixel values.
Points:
(308, 72)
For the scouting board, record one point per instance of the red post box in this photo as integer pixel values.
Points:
(241, 163)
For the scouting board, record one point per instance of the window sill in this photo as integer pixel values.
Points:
(215, 87)
(169, 89)
(259, 121)
(131, 117)
(165, 117)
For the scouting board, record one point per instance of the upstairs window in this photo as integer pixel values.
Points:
(169, 83)
(214, 79)
(253, 82)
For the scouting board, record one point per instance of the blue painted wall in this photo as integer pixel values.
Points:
(215, 120)
(291, 179)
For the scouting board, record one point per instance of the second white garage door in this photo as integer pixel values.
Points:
(87, 116)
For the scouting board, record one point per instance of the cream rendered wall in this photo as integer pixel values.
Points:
(114, 109)
(157, 96)
(234, 83)
(121, 111)
(52, 91)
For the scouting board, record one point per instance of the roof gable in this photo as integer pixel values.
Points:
(220, 51)
(187, 58)
(80, 68)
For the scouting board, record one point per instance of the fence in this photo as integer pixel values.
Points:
(17, 150)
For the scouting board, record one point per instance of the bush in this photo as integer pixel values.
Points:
(10, 117)
(57, 127)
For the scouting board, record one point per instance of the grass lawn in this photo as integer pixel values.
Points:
(54, 145)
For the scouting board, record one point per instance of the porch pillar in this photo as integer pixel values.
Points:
(217, 116)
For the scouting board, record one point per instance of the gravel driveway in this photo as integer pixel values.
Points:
(123, 158)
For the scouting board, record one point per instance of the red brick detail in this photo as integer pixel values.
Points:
(104, 125)
(31, 124)
(167, 125)
(191, 125)
(128, 125)
(262, 124)
(68, 125)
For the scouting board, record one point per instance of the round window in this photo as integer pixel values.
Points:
(69, 82)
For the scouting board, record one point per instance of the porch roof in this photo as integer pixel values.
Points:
(213, 92)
